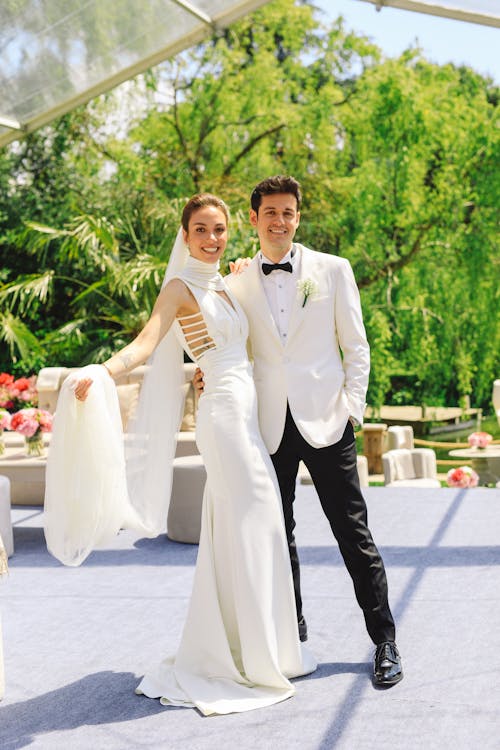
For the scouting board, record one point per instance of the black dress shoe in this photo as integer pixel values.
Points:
(302, 629)
(387, 669)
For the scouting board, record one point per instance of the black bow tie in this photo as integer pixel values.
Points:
(268, 267)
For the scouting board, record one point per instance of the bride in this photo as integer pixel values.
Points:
(240, 643)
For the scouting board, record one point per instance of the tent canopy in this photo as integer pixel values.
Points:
(57, 54)
(485, 12)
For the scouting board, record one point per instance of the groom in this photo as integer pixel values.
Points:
(311, 367)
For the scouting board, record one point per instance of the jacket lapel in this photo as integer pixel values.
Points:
(298, 311)
(251, 286)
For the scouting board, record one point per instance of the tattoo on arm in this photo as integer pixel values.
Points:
(126, 359)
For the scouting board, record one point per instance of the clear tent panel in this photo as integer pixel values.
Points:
(56, 54)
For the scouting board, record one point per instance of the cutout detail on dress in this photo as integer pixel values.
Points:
(196, 333)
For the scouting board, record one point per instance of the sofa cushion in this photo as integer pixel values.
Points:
(128, 398)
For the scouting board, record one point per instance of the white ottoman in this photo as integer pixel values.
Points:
(2, 676)
(363, 471)
(5, 520)
(184, 513)
(186, 444)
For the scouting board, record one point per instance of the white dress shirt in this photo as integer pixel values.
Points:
(280, 288)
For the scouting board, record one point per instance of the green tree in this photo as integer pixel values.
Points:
(398, 161)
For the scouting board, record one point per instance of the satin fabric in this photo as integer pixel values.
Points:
(240, 642)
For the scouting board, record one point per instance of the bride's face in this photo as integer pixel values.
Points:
(206, 237)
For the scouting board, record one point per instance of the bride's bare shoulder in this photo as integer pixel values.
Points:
(177, 294)
(176, 289)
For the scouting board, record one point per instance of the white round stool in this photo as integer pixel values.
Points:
(2, 676)
(184, 513)
(5, 520)
(186, 444)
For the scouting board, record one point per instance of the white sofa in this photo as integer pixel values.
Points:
(27, 475)
(50, 380)
(406, 467)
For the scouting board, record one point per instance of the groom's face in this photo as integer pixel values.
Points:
(276, 222)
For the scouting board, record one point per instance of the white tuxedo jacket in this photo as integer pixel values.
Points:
(322, 370)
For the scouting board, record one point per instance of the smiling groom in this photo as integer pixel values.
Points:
(311, 367)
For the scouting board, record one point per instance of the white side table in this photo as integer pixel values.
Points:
(485, 461)
(27, 476)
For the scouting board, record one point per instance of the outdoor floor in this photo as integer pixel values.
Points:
(77, 641)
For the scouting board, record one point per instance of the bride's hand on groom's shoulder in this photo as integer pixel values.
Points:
(238, 266)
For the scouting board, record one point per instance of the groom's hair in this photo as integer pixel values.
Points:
(277, 184)
(199, 201)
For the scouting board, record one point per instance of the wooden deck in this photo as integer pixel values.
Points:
(449, 418)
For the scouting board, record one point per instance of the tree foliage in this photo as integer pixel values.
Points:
(397, 158)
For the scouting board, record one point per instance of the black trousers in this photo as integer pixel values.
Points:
(333, 470)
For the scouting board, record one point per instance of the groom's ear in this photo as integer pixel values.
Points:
(253, 217)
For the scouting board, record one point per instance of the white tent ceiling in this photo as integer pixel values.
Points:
(57, 54)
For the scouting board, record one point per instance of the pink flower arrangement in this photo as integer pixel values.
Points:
(479, 439)
(5, 419)
(462, 477)
(16, 394)
(30, 422)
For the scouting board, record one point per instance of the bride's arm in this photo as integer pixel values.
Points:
(171, 299)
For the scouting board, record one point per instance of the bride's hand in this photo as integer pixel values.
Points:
(81, 389)
(238, 266)
(197, 381)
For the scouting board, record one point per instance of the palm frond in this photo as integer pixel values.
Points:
(27, 289)
(141, 270)
(101, 289)
(18, 337)
(88, 238)
(72, 330)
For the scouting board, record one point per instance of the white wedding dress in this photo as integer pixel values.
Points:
(240, 642)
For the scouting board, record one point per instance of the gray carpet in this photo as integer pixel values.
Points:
(77, 641)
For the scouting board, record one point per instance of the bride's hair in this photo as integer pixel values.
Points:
(199, 201)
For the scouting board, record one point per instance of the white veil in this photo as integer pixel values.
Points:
(152, 434)
(93, 486)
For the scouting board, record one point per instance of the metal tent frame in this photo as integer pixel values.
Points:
(58, 54)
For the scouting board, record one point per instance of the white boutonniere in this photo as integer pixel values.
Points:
(307, 287)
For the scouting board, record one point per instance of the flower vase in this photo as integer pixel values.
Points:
(2, 443)
(34, 446)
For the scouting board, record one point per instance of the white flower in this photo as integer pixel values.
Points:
(307, 287)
